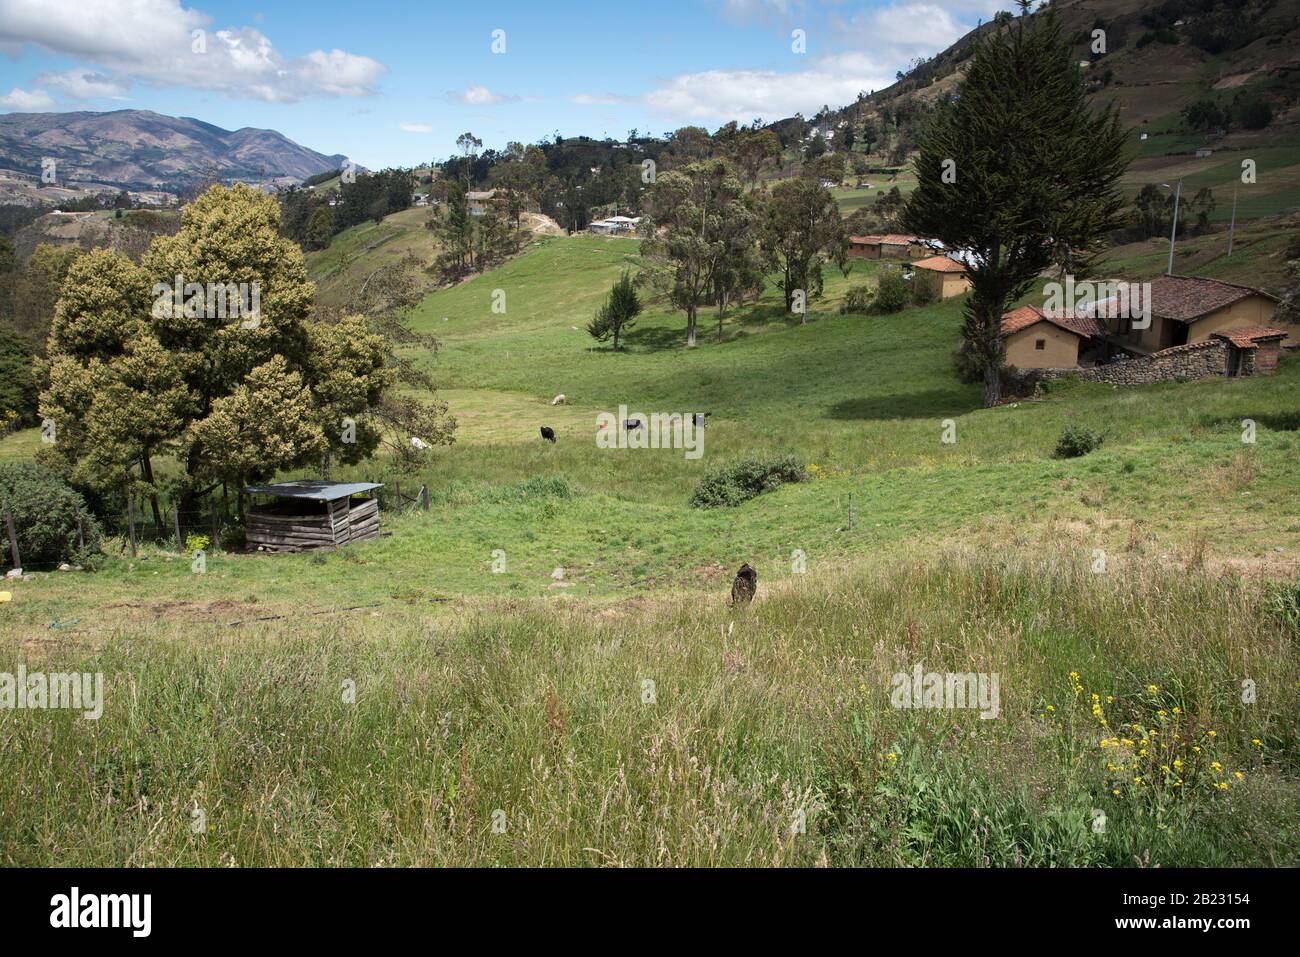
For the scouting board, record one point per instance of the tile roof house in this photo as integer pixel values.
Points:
(1036, 339)
(887, 246)
(1187, 310)
(939, 277)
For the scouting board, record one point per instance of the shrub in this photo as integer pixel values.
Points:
(891, 292)
(739, 482)
(232, 538)
(196, 543)
(45, 511)
(857, 299)
(1077, 440)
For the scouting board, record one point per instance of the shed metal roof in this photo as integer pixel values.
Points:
(313, 489)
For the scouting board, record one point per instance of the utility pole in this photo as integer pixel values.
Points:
(1173, 232)
(1232, 227)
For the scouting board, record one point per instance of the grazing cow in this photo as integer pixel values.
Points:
(632, 425)
(699, 419)
(559, 399)
(744, 585)
(548, 433)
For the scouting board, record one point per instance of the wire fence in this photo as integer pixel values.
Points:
(145, 521)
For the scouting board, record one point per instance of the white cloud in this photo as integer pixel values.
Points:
(83, 84)
(25, 101)
(909, 28)
(416, 127)
(742, 95)
(608, 99)
(160, 43)
(477, 95)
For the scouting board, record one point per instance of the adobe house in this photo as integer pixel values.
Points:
(889, 246)
(1186, 310)
(940, 277)
(1035, 339)
(310, 514)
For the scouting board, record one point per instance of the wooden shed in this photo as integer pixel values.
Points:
(293, 516)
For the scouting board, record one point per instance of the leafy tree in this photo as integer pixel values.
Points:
(801, 231)
(700, 206)
(45, 513)
(1205, 114)
(753, 151)
(619, 312)
(231, 398)
(1036, 169)
(320, 229)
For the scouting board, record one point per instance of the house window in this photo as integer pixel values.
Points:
(1040, 344)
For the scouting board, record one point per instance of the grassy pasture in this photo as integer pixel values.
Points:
(518, 692)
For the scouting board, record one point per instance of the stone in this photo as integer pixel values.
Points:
(558, 574)
(14, 573)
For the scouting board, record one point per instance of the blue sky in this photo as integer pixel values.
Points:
(394, 83)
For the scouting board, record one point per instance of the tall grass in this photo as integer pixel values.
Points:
(677, 732)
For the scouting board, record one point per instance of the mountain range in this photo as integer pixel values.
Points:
(143, 150)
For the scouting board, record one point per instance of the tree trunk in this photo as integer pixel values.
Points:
(146, 467)
(992, 384)
(616, 331)
(690, 327)
(722, 314)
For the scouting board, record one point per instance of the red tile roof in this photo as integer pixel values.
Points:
(889, 239)
(1025, 316)
(1187, 299)
(1247, 337)
(940, 264)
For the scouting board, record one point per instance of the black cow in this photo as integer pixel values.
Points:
(548, 433)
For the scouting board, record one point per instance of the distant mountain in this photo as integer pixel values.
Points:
(142, 150)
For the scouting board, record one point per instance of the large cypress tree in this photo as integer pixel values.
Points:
(1036, 170)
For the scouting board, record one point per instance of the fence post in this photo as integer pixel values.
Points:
(13, 539)
(176, 516)
(130, 521)
(424, 496)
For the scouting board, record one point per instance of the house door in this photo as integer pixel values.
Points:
(1234, 361)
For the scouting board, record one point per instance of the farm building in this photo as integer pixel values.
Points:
(1036, 339)
(940, 277)
(890, 246)
(1186, 310)
(294, 516)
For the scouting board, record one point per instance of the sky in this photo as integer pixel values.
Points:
(391, 83)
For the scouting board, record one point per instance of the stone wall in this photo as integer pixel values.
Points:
(1195, 361)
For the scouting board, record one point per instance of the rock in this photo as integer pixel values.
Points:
(558, 574)
(559, 399)
(65, 567)
(14, 573)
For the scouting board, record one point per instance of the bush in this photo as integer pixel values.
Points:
(857, 299)
(739, 482)
(232, 538)
(1077, 440)
(196, 543)
(45, 512)
(891, 292)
